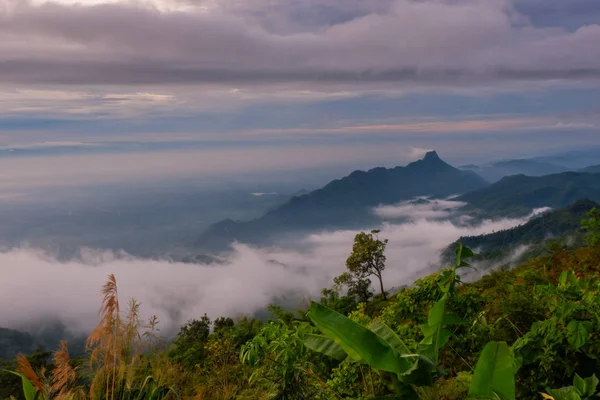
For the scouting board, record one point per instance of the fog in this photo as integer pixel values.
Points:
(415, 211)
(37, 286)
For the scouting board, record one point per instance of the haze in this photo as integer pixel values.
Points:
(128, 127)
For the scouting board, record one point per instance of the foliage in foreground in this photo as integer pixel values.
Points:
(527, 333)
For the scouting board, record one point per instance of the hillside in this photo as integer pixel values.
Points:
(496, 171)
(517, 195)
(594, 169)
(348, 202)
(553, 224)
(527, 330)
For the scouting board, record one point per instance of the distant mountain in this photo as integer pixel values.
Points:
(594, 169)
(496, 171)
(47, 336)
(575, 159)
(348, 202)
(517, 195)
(552, 224)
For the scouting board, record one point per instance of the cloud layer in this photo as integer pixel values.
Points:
(41, 287)
(266, 42)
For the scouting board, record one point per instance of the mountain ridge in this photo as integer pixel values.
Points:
(551, 224)
(348, 201)
(517, 195)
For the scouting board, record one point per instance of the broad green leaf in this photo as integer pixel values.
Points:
(565, 393)
(462, 252)
(494, 373)
(387, 334)
(434, 331)
(447, 280)
(578, 334)
(451, 319)
(579, 384)
(562, 279)
(325, 345)
(586, 387)
(357, 341)
(591, 385)
(29, 391)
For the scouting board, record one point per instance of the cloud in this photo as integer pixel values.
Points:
(199, 161)
(417, 153)
(434, 209)
(249, 279)
(45, 145)
(456, 43)
(569, 14)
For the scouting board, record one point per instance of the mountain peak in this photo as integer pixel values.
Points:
(431, 156)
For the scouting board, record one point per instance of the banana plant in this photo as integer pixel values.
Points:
(381, 349)
(30, 392)
(582, 389)
(494, 375)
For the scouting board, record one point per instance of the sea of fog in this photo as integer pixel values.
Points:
(38, 287)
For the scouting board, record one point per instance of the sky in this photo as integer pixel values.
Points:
(112, 89)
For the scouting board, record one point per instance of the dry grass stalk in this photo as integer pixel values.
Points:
(64, 375)
(25, 368)
(104, 338)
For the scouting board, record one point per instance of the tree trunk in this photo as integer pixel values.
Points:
(381, 286)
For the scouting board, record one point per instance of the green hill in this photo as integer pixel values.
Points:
(348, 202)
(517, 195)
(553, 224)
(496, 171)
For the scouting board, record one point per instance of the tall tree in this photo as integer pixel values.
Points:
(368, 257)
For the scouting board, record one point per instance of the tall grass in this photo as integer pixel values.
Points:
(115, 348)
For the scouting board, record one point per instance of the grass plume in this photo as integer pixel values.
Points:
(64, 375)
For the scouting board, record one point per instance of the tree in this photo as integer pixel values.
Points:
(222, 325)
(592, 226)
(358, 289)
(368, 257)
(189, 346)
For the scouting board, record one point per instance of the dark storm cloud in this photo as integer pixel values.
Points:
(460, 42)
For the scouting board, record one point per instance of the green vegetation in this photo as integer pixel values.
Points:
(592, 226)
(514, 334)
(517, 195)
(367, 259)
(564, 223)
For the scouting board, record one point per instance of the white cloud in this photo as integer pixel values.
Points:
(416, 153)
(423, 209)
(41, 287)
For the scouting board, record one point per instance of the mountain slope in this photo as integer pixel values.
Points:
(556, 223)
(594, 169)
(348, 202)
(496, 171)
(517, 195)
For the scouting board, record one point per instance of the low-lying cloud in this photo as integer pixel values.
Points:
(434, 209)
(36, 286)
